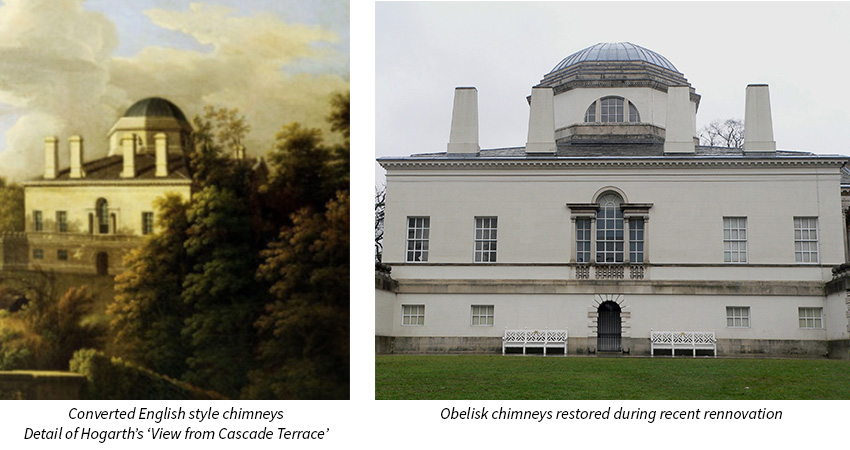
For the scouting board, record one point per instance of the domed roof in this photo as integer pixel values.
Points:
(155, 107)
(617, 51)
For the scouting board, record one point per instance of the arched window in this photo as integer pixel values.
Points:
(102, 211)
(611, 110)
(609, 229)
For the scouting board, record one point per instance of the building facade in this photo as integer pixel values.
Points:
(613, 222)
(86, 217)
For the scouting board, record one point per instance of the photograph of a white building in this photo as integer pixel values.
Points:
(613, 222)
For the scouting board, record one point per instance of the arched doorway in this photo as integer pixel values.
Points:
(102, 263)
(609, 331)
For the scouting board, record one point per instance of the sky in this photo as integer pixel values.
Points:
(72, 67)
(424, 50)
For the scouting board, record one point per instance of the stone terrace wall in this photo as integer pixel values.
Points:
(25, 385)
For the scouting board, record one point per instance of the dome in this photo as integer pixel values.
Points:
(617, 51)
(155, 107)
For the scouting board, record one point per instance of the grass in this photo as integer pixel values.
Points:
(496, 377)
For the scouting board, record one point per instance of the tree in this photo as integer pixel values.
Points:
(380, 206)
(47, 331)
(217, 132)
(147, 312)
(728, 133)
(221, 291)
(303, 349)
(222, 243)
(12, 214)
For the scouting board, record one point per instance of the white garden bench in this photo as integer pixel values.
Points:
(683, 340)
(535, 339)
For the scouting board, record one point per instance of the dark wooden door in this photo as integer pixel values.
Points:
(102, 263)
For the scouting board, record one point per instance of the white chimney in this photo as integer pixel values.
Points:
(76, 144)
(758, 124)
(161, 145)
(541, 121)
(51, 157)
(128, 146)
(464, 134)
(239, 153)
(681, 121)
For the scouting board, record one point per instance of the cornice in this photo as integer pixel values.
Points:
(110, 183)
(579, 162)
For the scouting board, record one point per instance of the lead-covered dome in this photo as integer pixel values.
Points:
(155, 107)
(145, 120)
(618, 64)
(616, 51)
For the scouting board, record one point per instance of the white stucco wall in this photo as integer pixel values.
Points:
(771, 317)
(127, 199)
(685, 223)
(571, 105)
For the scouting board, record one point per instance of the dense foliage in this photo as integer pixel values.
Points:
(48, 328)
(244, 290)
(115, 379)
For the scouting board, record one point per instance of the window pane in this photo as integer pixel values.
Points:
(417, 239)
(735, 239)
(805, 239)
(485, 239)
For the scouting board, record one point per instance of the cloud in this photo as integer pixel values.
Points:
(56, 70)
(53, 75)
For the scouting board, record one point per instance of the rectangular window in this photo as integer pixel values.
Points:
(147, 222)
(738, 316)
(485, 239)
(806, 239)
(811, 317)
(482, 315)
(418, 229)
(611, 110)
(37, 253)
(735, 239)
(583, 240)
(38, 220)
(62, 255)
(636, 240)
(413, 315)
(61, 221)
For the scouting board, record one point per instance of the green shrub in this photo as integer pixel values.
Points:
(115, 379)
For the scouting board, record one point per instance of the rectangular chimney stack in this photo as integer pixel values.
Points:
(464, 133)
(76, 145)
(51, 157)
(128, 146)
(541, 121)
(758, 123)
(161, 146)
(681, 121)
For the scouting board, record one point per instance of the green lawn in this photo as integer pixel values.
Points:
(495, 377)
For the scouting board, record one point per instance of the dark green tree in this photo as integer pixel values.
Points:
(147, 312)
(304, 332)
(304, 348)
(220, 290)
